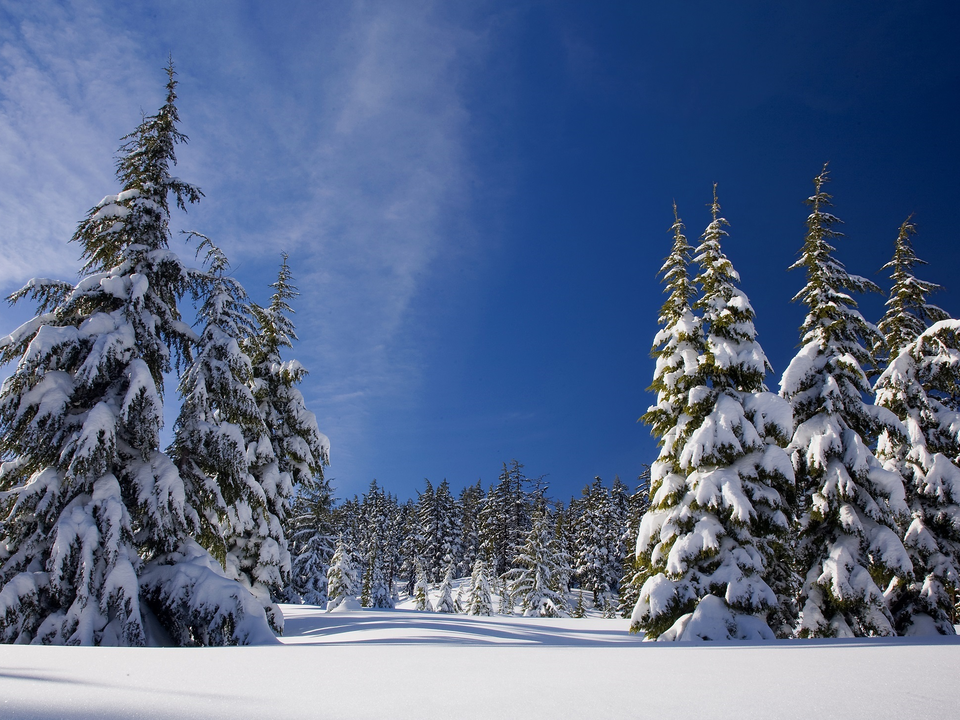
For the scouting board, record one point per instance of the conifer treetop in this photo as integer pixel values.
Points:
(140, 213)
(276, 327)
(832, 317)
(678, 343)
(733, 358)
(908, 312)
(676, 277)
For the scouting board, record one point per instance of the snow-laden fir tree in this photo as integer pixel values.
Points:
(716, 510)
(312, 541)
(908, 312)
(445, 602)
(448, 528)
(919, 386)
(480, 599)
(216, 403)
(428, 532)
(98, 522)
(579, 611)
(342, 582)
(287, 452)
(421, 588)
(677, 347)
(540, 566)
(506, 604)
(470, 500)
(631, 579)
(848, 549)
(377, 589)
(505, 517)
(597, 540)
(406, 546)
(377, 512)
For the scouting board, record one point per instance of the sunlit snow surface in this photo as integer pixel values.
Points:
(405, 664)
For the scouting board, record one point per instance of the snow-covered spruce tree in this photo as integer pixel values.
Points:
(480, 599)
(632, 577)
(377, 510)
(421, 588)
(677, 347)
(921, 374)
(285, 451)
(377, 588)
(848, 549)
(717, 511)
(908, 312)
(98, 523)
(914, 386)
(448, 527)
(312, 541)
(428, 532)
(597, 539)
(406, 542)
(470, 501)
(505, 517)
(506, 605)
(535, 581)
(342, 583)
(216, 403)
(445, 601)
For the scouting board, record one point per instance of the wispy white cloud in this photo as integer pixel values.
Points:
(390, 170)
(345, 147)
(68, 88)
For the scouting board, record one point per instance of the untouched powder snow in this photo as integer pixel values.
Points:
(409, 664)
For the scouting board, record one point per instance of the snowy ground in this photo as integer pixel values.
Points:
(405, 664)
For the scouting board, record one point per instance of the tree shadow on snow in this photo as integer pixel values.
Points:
(405, 627)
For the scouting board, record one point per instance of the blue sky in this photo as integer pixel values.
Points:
(475, 196)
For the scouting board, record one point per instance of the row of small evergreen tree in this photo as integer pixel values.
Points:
(378, 548)
(815, 512)
(105, 537)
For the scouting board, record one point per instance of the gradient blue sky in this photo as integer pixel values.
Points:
(475, 196)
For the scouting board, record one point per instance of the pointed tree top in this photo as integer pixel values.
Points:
(908, 312)
(715, 205)
(820, 196)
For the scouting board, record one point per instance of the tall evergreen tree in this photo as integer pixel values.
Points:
(597, 542)
(428, 532)
(445, 602)
(448, 528)
(421, 588)
(480, 600)
(342, 582)
(99, 524)
(285, 451)
(312, 541)
(377, 511)
(536, 580)
(505, 517)
(217, 404)
(717, 478)
(470, 500)
(848, 504)
(633, 574)
(914, 386)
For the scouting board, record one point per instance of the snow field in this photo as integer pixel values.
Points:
(408, 664)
